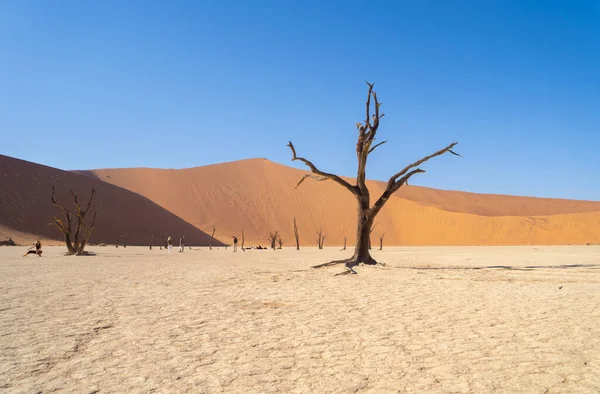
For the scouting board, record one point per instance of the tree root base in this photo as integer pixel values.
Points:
(350, 264)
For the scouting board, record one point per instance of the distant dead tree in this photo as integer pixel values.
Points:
(211, 238)
(381, 241)
(76, 241)
(296, 235)
(125, 240)
(370, 231)
(367, 132)
(273, 238)
(151, 240)
(344, 244)
(118, 240)
(243, 250)
(279, 242)
(320, 238)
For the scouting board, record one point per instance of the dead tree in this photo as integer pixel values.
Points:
(296, 235)
(273, 238)
(151, 240)
(365, 145)
(211, 238)
(381, 241)
(279, 242)
(77, 240)
(344, 244)
(320, 238)
(243, 250)
(118, 240)
(370, 231)
(124, 241)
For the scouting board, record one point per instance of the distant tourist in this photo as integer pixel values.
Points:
(181, 243)
(170, 244)
(38, 249)
(235, 241)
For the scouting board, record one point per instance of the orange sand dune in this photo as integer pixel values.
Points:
(26, 209)
(259, 196)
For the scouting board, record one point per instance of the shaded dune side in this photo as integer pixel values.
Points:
(26, 209)
(259, 196)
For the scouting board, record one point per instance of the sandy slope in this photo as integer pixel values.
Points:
(259, 196)
(437, 320)
(26, 209)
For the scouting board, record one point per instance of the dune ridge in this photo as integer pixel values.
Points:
(259, 196)
(26, 209)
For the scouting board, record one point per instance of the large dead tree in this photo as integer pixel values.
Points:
(320, 238)
(365, 145)
(296, 235)
(77, 239)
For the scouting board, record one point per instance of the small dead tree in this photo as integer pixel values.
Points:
(77, 240)
(381, 241)
(273, 238)
(296, 235)
(365, 145)
(344, 244)
(118, 240)
(243, 250)
(320, 238)
(124, 241)
(372, 228)
(151, 240)
(211, 238)
(279, 242)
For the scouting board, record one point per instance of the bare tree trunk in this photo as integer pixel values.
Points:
(151, 241)
(280, 242)
(344, 243)
(381, 241)
(118, 240)
(211, 238)
(320, 239)
(243, 250)
(273, 238)
(296, 235)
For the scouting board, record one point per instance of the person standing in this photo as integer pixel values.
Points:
(170, 244)
(181, 240)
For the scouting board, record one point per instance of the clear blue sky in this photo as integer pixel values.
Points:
(99, 84)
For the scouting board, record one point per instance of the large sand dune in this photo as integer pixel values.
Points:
(26, 209)
(259, 196)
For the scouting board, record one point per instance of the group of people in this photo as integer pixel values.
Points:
(169, 244)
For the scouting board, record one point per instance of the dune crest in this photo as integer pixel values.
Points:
(26, 210)
(259, 196)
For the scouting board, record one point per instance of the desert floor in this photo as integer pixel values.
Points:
(479, 319)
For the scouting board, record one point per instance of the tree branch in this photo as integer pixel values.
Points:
(376, 145)
(316, 178)
(315, 170)
(394, 177)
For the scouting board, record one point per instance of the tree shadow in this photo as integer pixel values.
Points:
(507, 267)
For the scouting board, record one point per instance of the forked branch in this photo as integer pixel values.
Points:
(320, 173)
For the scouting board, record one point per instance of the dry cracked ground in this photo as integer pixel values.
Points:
(456, 320)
